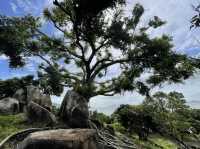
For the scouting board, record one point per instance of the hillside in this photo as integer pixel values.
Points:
(14, 123)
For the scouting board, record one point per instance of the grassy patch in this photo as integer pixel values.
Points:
(11, 124)
(162, 141)
(155, 141)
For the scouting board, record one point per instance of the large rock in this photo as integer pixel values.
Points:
(74, 110)
(20, 95)
(37, 113)
(61, 139)
(34, 94)
(9, 106)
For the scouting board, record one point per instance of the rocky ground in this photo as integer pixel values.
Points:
(33, 112)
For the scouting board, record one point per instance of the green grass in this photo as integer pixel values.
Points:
(162, 141)
(14, 123)
(155, 141)
(11, 124)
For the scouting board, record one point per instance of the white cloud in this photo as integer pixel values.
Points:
(177, 13)
(3, 57)
(109, 104)
(26, 5)
(32, 7)
(14, 7)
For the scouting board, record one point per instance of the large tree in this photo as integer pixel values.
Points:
(94, 36)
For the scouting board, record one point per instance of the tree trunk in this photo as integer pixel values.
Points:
(74, 110)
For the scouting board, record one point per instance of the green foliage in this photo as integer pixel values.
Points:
(166, 114)
(118, 127)
(100, 117)
(88, 37)
(50, 81)
(156, 22)
(134, 120)
(195, 120)
(156, 141)
(10, 86)
(169, 112)
(16, 34)
(11, 124)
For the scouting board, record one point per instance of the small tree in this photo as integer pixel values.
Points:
(94, 36)
(169, 112)
(135, 120)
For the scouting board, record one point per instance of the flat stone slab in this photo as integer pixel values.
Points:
(61, 139)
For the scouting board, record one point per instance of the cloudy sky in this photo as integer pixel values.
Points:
(177, 13)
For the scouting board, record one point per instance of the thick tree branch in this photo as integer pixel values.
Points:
(99, 62)
(103, 66)
(95, 50)
(103, 44)
(56, 26)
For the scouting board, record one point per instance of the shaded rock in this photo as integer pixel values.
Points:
(61, 139)
(9, 106)
(20, 95)
(74, 110)
(34, 94)
(37, 113)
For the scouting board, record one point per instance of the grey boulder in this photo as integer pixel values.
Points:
(9, 106)
(61, 139)
(20, 95)
(34, 94)
(74, 110)
(37, 113)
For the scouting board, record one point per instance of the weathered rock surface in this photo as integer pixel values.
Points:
(74, 110)
(20, 95)
(61, 139)
(37, 113)
(34, 94)
(9, 106)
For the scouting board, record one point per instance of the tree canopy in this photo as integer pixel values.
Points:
(167, 114)
(95, 36)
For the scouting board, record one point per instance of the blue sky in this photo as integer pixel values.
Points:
(177, 13)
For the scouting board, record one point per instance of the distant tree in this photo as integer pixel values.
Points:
(94, 36)
(10, 86)
(169, 112)
(135, 120)
(101, 118)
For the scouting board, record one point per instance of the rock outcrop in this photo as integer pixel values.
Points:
(20, 95)
(34, 94)
(74, 110)
(61, 139)
(37, 113)
(9, 106)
